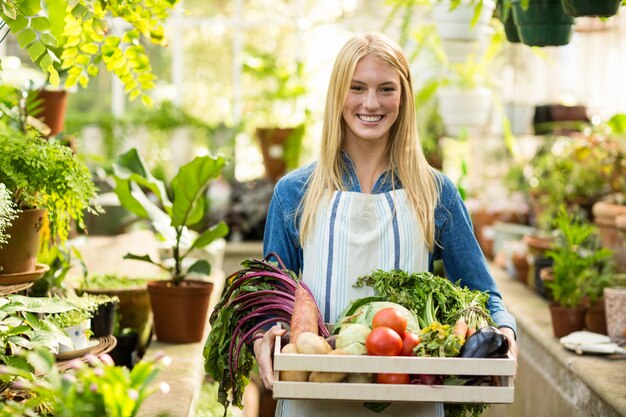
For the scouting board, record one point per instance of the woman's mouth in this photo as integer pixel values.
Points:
(370, 119)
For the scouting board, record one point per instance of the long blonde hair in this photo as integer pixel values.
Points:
(404, 149)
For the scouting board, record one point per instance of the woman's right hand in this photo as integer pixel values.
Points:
(263, 349)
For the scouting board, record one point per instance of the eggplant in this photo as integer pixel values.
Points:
(487, 342)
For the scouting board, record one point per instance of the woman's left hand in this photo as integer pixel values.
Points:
(510, 335)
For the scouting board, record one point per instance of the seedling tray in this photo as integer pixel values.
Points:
(502, 394)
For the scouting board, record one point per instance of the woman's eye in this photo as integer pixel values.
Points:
(389, 89)
(356, 88)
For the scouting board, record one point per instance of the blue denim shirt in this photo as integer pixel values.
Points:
(456, 244)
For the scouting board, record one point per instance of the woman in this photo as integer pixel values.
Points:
(370, 202)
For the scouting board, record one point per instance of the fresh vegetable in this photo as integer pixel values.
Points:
(393, 379)
(352, 339)
(412, 290)
(312, 344)
(259, 295)
(437, 340)
(409, 342)
(383, 341)
(298, 376)
(460, 329)
(363, 310)
(487, 342)
(329, 376)
(304, 317)
(390, 317)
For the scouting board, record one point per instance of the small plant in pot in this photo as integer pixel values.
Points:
(45, 179)
(77, 325)
(179, 305)
(102, 308)
(579, 265)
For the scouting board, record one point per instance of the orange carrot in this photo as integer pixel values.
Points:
(460, 328)
(305, 314)
(470, 331)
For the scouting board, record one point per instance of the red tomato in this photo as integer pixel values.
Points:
(383, 341)
(390, 317)
(409, 341)
(393, 378)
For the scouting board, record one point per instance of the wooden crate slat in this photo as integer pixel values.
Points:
(393, 393)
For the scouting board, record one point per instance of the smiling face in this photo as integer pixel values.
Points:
(373, 101)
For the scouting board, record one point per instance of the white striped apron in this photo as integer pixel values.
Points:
(356, 233)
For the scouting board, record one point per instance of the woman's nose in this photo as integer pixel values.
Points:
(371, 100)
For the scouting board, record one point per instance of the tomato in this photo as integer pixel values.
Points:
(409, 341)
(393, 378)
(383, 341)
(390, 317)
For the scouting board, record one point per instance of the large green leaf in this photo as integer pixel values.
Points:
(208, 236)
(130, 166)
(189, 185)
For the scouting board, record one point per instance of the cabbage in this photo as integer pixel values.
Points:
(352, 339)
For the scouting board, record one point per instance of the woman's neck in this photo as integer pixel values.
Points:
(370, 161)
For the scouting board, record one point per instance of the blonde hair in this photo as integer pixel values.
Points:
(404, 150)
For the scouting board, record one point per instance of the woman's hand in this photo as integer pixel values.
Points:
(263, 348)
(510, 335)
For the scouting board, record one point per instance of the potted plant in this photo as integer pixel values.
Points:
(179, 305)
(607, 211)
(44, 178)
(601, 8)
(133, 310)
(615, 309)
(542, 22)
(578, 263)
(96, 387)
(76, 323)
(277, 86)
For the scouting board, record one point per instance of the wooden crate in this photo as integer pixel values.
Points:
(504, 368)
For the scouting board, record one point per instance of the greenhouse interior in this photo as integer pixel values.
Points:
(258, 208)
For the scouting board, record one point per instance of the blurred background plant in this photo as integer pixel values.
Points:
(93, 387)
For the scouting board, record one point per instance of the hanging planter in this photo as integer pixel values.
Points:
(505, 15)
(464, 109)
(543, 23)
(601, 8)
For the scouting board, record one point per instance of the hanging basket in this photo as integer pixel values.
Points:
(544, 23)
(601, 8)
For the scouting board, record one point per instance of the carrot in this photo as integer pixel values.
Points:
(470, 331)
(305, 314)
(460, 328)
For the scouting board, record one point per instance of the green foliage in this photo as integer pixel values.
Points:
(581, 264)
(46, 174)
(74, 37)
(171, 218)
(70, 318)
(112, 281)
(22, 329)
(7, 212)
(96, 388)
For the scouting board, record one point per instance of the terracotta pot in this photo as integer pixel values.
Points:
(273, 149)
(615, 309)
(538, 245)
(595, 319)
(19, 254)
(566, 320)
(605, 217)
(180, 312)
(520, 263)
(53, 109)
